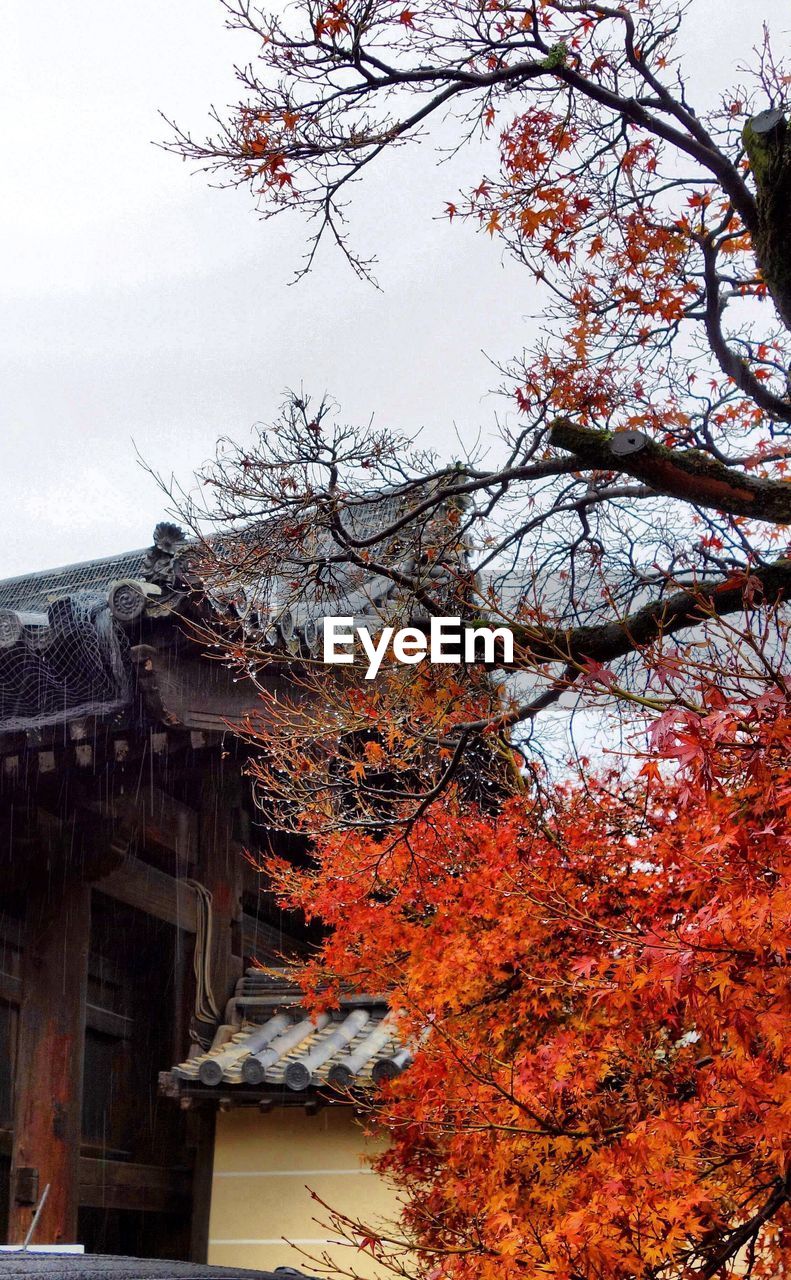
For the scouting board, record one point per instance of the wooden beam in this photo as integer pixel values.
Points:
(160, 819)
(119, 1184)
(49, 1067)
(108, 1022)
(98, 1019)
(151, 890)
(194, 692)
(149, 815)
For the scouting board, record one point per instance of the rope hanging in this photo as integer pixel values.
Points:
(206, 1009)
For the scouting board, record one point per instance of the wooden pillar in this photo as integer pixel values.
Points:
(201, 1125)
(49, 1068)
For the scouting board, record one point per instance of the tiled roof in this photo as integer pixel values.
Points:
(63, 632)
(273, 1043)
(33, 592)
(63, 651)
(353, 589)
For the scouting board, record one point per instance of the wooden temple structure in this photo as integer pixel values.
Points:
(128, 909)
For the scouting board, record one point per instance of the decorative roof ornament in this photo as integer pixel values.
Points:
(166, 563)
(164, 582)
(128, 597)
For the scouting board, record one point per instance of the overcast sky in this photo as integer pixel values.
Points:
(142, 306)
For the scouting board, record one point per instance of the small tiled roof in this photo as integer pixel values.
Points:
(274, 1043)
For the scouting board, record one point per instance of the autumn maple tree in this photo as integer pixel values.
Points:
(604, 1089)
(592, 969)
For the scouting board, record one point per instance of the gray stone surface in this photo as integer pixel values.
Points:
(95, 1267)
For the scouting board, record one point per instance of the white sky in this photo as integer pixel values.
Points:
(140, 305)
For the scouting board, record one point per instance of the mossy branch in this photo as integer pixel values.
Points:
(689, 475)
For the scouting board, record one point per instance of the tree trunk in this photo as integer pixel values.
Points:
(767, 141)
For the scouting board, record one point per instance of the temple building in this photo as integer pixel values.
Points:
(132, 930)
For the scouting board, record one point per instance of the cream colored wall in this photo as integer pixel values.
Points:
(263, 1167)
